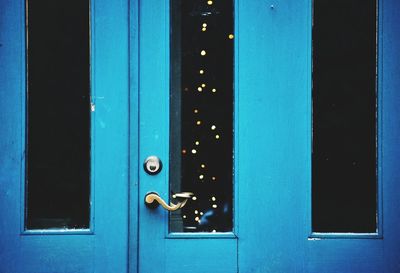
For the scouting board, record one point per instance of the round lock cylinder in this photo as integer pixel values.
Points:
(152, 165)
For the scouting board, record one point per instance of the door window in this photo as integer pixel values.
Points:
(201, 110)
(58, 115)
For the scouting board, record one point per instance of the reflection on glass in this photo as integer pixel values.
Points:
(58, 118)
(344, 116)
(202, 114)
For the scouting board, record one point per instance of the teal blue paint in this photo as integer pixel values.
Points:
(159, 252)
(104, 247)
(273, 124)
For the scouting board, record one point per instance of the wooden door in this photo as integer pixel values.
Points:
(273, 228)
(100, 244)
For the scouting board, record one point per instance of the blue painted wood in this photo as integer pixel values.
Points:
(274, 134)
(104, 247)
(274, 104)
(272, 126)
(133, 231)
(157, 253)
(272, 122)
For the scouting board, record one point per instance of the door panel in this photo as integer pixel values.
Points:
(159, 251)
(274, 134)
(273, 148)
(102, 248)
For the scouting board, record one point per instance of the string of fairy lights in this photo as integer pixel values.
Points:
(210, 128)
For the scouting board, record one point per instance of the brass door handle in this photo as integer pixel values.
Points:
(153, 199)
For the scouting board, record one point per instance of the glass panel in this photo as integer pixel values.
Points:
(202, 114)
(58, 114)
(344, 116)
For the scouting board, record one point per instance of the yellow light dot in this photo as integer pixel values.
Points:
(195, 111)
(203, 29)
(230, 36)
(199, 89)
(197, 143)
(174, 196)
(214, 206)
(214, 231)
(194, 198)
(196, 212)
(201, 71)
(202, 166)
(204, 25)
(184, 216)
(203, 85)
(198, 122)
(194, 151)
(213, 127)
(217, 136)
(210, 2)
(213, 198)
(201, 176)
(213, 90)
(213, 178)
(201, 213)
(197, 219)
(203, 53)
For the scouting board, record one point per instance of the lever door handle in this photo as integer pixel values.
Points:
(153, 199)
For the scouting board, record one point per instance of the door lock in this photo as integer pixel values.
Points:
(152, 165)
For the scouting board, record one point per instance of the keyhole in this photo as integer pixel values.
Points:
(152, 165)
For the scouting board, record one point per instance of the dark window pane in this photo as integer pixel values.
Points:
(202, 114)
(58, 119)
(344, 183)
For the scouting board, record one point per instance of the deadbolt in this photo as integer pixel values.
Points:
(152, 165)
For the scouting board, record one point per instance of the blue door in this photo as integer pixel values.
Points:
(73, 56)
(199, 136)
(314, 145)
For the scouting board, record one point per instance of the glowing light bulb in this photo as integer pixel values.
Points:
(213, 178)
(230, 36)
(214, 231)
(194, 198)
(196, 212)
(203, 85)
(195, 111)
(213, 198)
(197, 143)
(213, 90)
(197, 219)
(203, 53)
(183, 151)
(214, 206)
(203, 29)
(210, 2)
(201, 213)
(194, 151)
(174, 196)
(213, 127)
(184, 216)
(201, 176)
(202, 166)
(201, 71)
(199, 89)
(204, 25)
(198, 122)
(217, 136)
